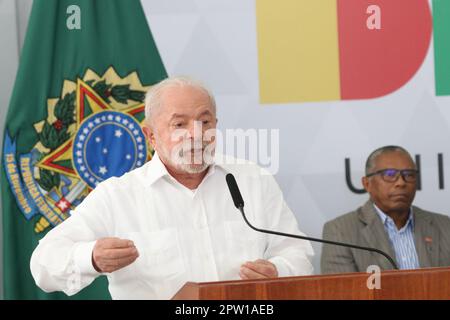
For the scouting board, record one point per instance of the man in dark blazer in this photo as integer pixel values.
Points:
(413, 237)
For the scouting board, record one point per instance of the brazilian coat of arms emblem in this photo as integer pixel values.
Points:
(92, 132)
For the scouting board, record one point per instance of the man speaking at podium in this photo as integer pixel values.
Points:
(172, 220)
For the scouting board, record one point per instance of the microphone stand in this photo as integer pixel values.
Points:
(241, 209)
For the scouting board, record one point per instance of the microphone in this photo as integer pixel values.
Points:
(239, 204)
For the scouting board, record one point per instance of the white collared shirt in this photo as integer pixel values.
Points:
(180, 235)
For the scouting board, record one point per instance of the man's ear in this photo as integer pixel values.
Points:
(149, 134)
(366, 183)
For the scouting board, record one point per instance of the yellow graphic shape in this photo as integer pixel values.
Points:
(297, 50)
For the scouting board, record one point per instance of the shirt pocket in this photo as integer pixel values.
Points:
(244, 242)
(160, 256)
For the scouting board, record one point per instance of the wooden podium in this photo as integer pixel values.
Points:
(432, 283)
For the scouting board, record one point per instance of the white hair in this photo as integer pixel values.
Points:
(153, 96)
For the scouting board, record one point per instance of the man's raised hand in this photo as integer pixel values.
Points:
(112, 254)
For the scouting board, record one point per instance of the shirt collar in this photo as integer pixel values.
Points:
(385, 218)
(155, 170)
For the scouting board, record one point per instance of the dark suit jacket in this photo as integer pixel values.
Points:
(364, 227)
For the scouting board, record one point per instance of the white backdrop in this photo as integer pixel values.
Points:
(216, 42)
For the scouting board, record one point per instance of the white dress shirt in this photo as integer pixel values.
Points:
(181, 235)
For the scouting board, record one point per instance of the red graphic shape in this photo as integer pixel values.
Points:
(374, 63)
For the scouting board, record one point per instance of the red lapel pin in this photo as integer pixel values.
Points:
(428, 239)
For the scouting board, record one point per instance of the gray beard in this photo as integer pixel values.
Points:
(183, 164)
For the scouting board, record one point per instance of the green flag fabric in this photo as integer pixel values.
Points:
(84, 70)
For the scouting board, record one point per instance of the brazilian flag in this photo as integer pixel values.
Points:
(74, 120)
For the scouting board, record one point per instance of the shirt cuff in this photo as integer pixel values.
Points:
(282, 266)
(82, 257)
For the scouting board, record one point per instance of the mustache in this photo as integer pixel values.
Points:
(192, 146)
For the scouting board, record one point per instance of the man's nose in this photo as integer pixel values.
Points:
(400, 181)
(195, 130)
